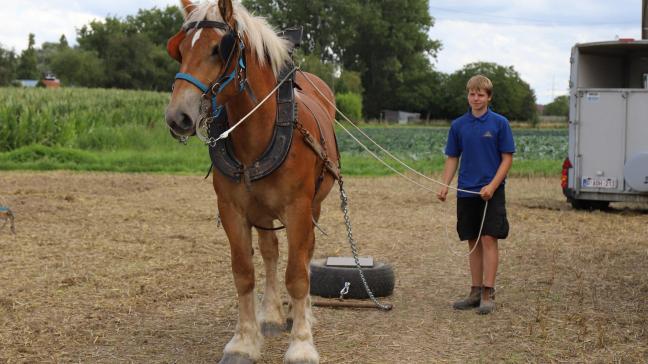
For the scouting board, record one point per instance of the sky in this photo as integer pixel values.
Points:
(533, 36)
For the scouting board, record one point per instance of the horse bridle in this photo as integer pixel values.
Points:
(227, 47)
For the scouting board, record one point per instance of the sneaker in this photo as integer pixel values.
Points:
(487, 302)
(471, 301)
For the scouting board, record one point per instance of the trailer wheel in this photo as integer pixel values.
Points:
(326, 281)
(589, 204)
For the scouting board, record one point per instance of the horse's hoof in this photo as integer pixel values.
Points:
(235, 358)
(301, 352)
(270, 329)
(289, 323)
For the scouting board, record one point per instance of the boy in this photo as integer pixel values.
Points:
(484, 142)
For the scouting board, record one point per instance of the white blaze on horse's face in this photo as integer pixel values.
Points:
(195, 37)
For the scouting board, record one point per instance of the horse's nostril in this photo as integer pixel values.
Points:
(185, 122)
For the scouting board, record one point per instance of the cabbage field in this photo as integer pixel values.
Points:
(427, 142)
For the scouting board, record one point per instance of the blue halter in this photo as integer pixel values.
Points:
(221, 83)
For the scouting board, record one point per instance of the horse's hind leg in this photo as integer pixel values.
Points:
(245, 346)
(270, 316)
(301, 241)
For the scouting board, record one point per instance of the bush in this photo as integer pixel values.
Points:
(350, 104)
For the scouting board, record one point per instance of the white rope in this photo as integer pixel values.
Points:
(379, 146)
(447, 235)
(382, 161)
(401, 163)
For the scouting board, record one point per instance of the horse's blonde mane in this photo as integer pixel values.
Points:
(262, 38)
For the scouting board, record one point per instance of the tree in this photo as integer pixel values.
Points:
(325, 22)
(390, 45)
(27, 65)
(8, 63)
(385, 41)
(63, 42)
(512, 97)
(310, 63)
(349, 81)
(157, 24)
(558, 107)
(421, 89)
(76, 67)
(133, 52)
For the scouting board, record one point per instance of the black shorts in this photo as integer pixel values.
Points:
(470, 211)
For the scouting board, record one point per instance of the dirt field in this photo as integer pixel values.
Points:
(112, 268)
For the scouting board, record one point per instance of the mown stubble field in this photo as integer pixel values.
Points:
(121, 268)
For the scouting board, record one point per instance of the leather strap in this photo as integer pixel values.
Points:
(222, 155)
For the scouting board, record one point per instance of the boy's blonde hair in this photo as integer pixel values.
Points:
(480, 82)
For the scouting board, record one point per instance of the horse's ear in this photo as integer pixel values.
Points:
(226, 11)
(187, 6)
(173, 45)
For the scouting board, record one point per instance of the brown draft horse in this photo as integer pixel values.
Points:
(292, 194)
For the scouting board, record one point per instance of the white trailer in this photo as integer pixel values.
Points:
(608, 124)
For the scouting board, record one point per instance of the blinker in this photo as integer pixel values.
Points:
(226, 45)
(173, 45)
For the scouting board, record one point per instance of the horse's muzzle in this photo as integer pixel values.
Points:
(180, 124)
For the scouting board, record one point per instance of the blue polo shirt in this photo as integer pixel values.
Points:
(480, 143)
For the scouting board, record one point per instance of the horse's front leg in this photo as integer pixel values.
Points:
(245, 346)
(270, 316)
(301, 242)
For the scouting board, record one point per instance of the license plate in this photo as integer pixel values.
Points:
(599, 182)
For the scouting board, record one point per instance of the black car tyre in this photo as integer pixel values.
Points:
(326, 281)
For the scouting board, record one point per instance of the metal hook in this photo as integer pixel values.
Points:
(344, 290)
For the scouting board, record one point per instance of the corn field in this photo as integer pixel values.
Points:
(92, 119)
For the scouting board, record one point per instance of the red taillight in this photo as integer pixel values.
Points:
(565, 169)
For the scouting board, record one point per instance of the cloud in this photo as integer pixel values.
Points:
(522, 37)
(56, 22)
(49, 19)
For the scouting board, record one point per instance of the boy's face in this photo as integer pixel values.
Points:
(478, 99)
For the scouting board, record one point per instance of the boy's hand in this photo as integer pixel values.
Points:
(443, 192)
(486, 192)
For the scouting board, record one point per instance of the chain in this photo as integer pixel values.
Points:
(202, 128)
(347, 220)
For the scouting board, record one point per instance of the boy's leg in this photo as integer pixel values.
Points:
(476, 261)
(491, 259)
(476, 272)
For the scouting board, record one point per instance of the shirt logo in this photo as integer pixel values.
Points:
(487, 134)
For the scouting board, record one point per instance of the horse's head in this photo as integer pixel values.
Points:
(208, 48)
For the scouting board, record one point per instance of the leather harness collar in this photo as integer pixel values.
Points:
(222, 154)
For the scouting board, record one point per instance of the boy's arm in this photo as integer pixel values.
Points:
(449, 171)
(503, 169)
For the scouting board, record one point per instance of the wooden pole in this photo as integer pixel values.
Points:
(346, 304)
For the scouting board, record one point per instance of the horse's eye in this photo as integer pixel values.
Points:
(215, 51)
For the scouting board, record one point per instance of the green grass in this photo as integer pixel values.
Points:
(124, 131)
(193, 159)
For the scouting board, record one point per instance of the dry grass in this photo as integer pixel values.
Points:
(111, 268)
